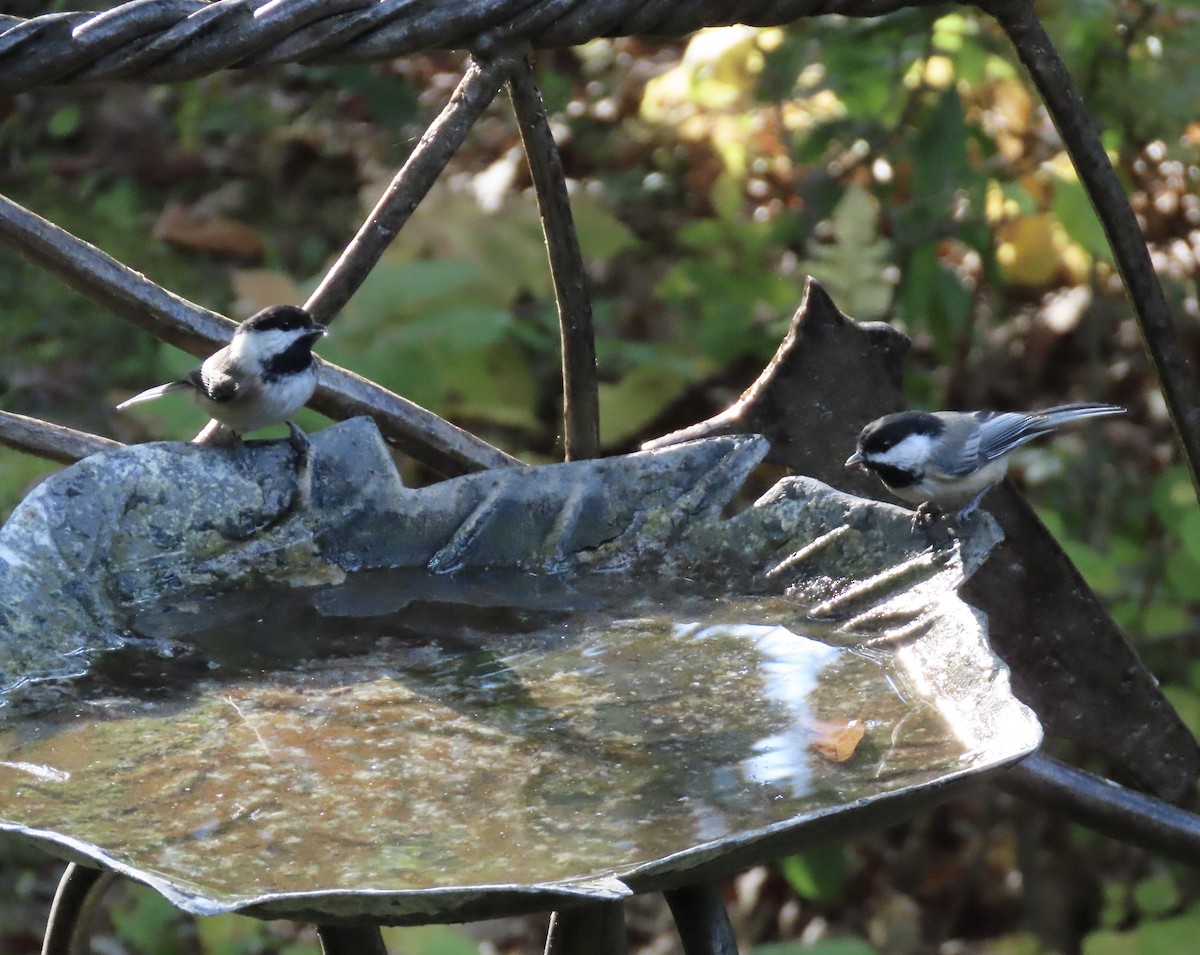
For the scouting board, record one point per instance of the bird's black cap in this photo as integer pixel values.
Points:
(885, 433)
(280, 318)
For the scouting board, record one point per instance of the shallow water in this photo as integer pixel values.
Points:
(389, 735)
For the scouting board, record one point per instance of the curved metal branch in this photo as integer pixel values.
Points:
(596, 928)
(350, 940)
(130, 295)
(80, 892)
(170, 40)
(703, 923)
(51, 441)
(1107, 807)
(581, 403)
(1175, 375)
(442, 139)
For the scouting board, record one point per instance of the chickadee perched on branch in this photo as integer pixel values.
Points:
(261, 378)
(953, 458)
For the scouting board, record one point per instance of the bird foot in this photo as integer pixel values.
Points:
(939, 531)
(217, 435)
(302, 448)
(967, 512)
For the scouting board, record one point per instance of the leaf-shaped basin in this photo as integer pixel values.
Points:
(494, 694)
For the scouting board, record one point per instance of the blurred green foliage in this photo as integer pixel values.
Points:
(818, 874)
(831, 946)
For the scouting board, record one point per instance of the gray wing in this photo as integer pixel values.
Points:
(213, 380)
(1001, 432)
(972, 439)
(983, 436)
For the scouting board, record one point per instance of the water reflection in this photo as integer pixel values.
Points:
(791, 668)
(389, 735)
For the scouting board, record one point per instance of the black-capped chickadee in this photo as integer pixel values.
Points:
(953, 458)
(261, 378)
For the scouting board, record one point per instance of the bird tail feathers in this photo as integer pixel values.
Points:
(1064, 414)
(151, 393)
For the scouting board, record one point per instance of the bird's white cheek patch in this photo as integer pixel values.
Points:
(908, 455)
(259, 346)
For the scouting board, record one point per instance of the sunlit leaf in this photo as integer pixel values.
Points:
(817, 874)
(1028, 251)
(934, 299)
(65, 120)
(493, 384)
(866, 82)
(1183, 574)
(1073, 209)
(601, 234)
(145, 922)
(828, 946)
(391, 99)
(718, 70)
(1106, 942)
(940, 150)
(1156, 896)
(1170, 936)
(726, 197)
(1188, 530)
(119, 205)
(632, 403)
(1172, 495)
(1010, 110)
(429, 940)
(233, 935)
(852, 267)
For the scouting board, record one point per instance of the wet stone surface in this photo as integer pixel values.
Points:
(474, 721)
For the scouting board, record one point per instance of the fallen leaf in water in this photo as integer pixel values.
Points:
(837, 740)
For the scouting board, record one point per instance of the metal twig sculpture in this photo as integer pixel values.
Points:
(171, 40)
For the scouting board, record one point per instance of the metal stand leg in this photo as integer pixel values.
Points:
(702, 921)
(351, 940)
(79, 894)
(594, 929)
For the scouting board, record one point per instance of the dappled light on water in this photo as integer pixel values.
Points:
(363, 738)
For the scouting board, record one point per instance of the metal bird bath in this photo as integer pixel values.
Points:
(500, 693)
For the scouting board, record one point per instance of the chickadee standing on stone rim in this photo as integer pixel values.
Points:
(261, 378)
(951, 459)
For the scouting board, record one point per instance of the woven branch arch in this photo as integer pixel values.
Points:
(169, 40)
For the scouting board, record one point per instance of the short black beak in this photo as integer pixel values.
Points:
(317, 330)
(855, 460)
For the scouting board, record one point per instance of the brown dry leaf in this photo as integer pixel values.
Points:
(837, 740)
(184, 228)
(257, 288)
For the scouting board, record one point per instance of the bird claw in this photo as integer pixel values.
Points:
(303, 466)
(926, 516)
(217, 435)
(967, 512)
(932, 521)
(298, 439)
